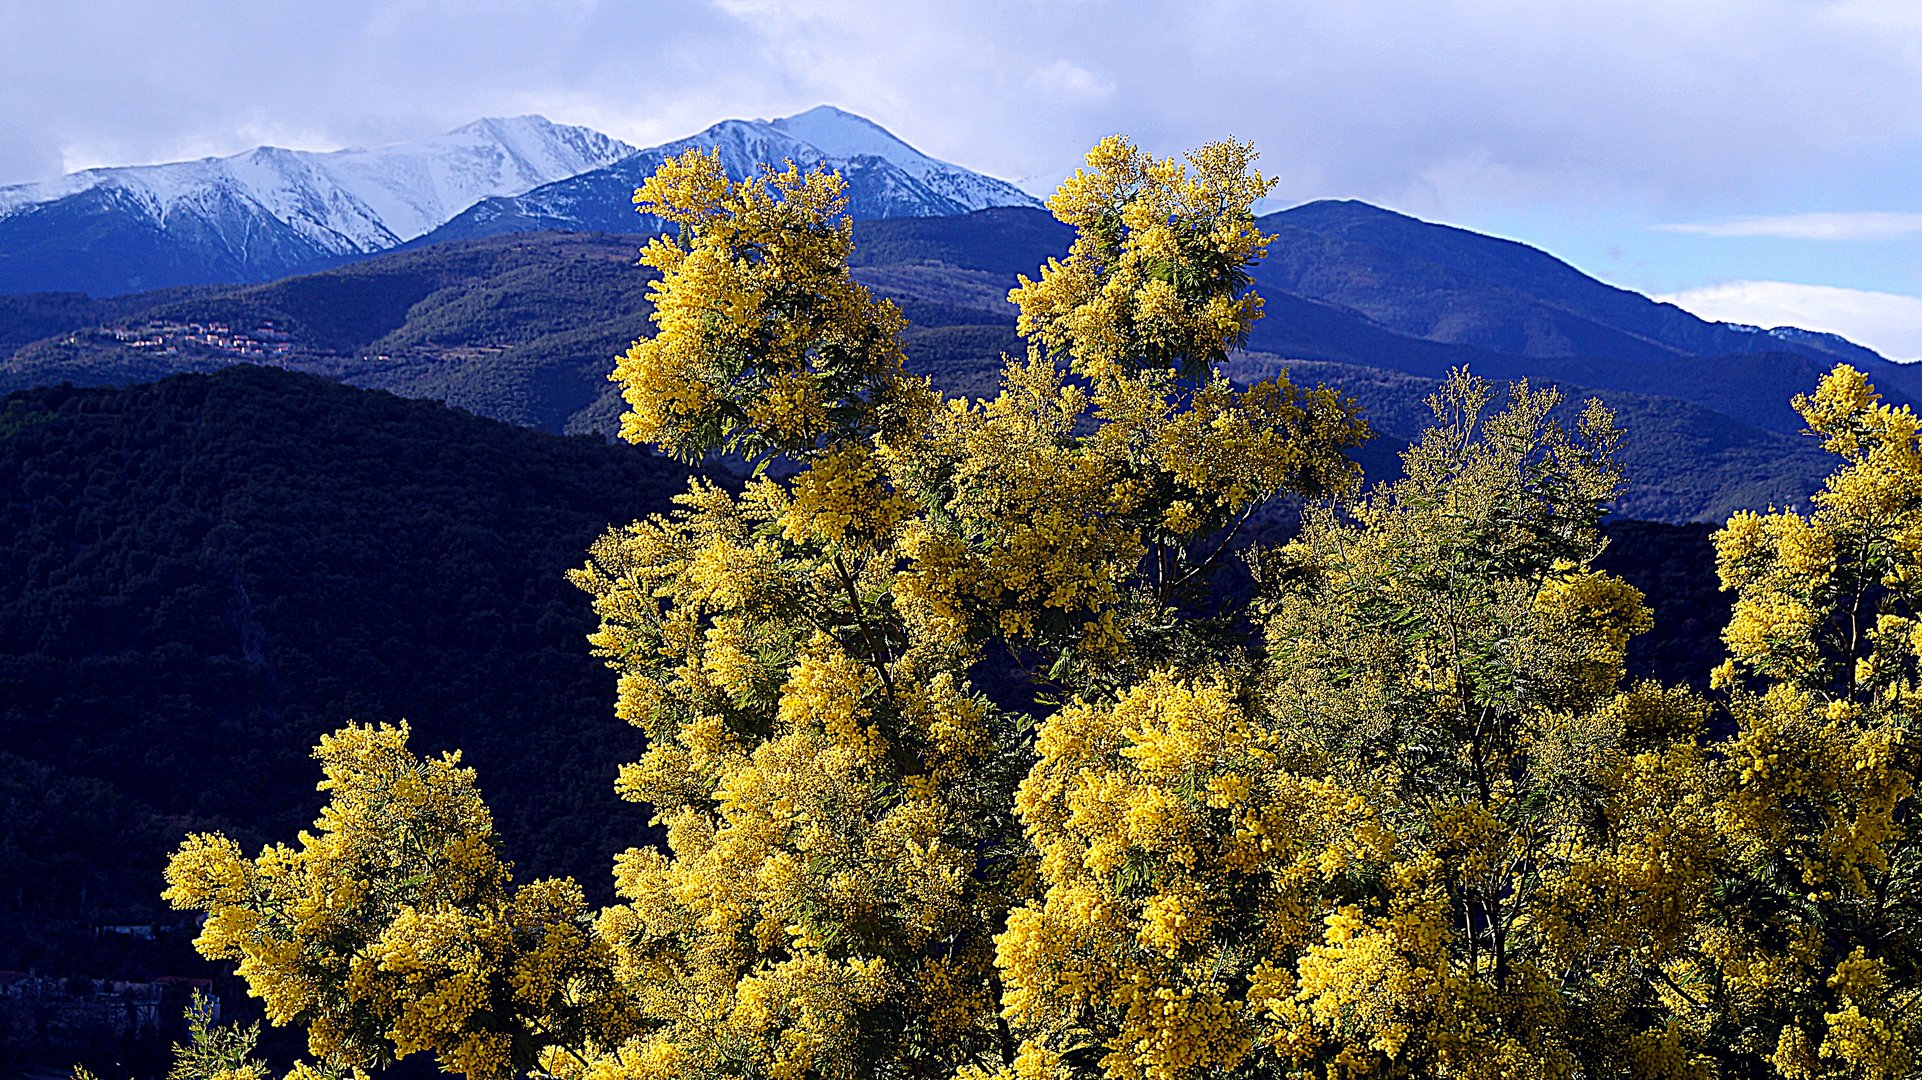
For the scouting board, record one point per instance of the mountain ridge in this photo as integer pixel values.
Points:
(1361, 256)
(392, 193)
(886, 178)
(524, 327)
(269, 212)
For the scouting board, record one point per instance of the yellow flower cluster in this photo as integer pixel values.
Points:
(826, 778)
(1157, 275)
(1184, 864)
(764, 344)
(395, 928)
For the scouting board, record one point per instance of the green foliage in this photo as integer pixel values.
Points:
(216, 1051)
(1346, 858)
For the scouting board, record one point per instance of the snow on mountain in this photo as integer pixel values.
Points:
(270, 212)
(415, 188)
(347, 201)
(1812, 340)
(838, 133)
(885, 177)
(744, 145)
(843, 135)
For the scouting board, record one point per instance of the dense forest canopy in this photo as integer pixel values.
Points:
(200, 577)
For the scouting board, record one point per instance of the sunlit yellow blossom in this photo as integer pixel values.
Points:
(964, 757)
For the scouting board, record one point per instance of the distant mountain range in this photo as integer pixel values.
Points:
(523, 327)
(269, 212)
(1455, 286)
(1388, 290)
(512, 304)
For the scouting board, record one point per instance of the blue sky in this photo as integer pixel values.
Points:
(1754, 159)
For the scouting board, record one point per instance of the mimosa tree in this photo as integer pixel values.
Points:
(970, 765)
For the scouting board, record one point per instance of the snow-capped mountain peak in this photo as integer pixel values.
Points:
(270, 211)
(415, 187)
(842, 134)
(885, 177)
(342, 202)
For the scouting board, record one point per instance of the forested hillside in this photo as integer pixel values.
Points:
(198, 577)
(524, 328)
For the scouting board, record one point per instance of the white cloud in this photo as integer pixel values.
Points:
(1867, 225)
(1650, 101)
(1069, 80)
(1884, 14)
(1041, 185)
(1889, 323)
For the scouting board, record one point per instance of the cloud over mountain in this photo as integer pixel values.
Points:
(1890, 323)
(1856, 225)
